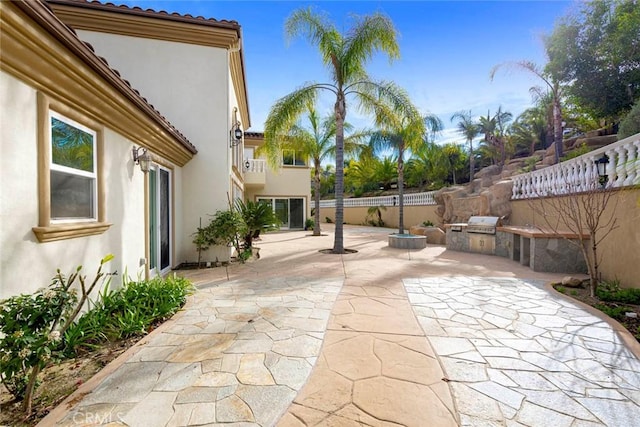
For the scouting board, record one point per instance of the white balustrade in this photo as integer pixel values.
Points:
(572, 176)
(411, 199)
(255, 166)
(581, 173)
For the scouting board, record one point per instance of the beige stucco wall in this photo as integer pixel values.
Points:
(26, 264)
(190, 85)
(287, 181)
(620, 250)
(413, 215)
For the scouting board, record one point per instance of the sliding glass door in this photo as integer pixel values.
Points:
(160, 244)
(290, 211)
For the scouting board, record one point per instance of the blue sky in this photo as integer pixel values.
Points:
(447, 51)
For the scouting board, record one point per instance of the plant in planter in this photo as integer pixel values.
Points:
(257, 217)
(226, 228)
(309, 224)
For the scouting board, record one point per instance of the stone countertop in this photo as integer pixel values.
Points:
(529, 231)
(532, 231)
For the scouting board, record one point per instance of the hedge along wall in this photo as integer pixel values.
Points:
(620, 250)
(413, 215)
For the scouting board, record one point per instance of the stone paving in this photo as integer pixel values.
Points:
(376, 368)
(514, 354)
(382, 337)
(238, 354)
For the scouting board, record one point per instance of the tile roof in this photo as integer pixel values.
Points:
(45, 17)
(161, 14)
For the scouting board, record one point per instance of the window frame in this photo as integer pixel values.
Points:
(54, 167)
(294, 158)
(50, 229)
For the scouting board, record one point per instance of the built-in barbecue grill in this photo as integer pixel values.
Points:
(483, 224)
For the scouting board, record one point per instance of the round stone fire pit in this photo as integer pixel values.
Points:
(407, 241)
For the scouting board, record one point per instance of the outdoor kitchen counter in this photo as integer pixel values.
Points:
(540, 249)
(537, 232)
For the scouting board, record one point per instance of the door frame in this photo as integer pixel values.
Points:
(272, 199)
(156, 271)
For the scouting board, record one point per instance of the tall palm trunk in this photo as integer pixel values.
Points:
(316, 197)
(340, 111)
(471, 160)
(400, 188)
(557, 128)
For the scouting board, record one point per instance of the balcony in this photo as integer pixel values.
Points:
(255, 172)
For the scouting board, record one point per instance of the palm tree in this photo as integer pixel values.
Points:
(315, 143)
(385, 172)
(494, 129)
(529, 130)
(469, 129)
(345, 56)
(454, 156)
(555, 90)
(428, 164)
(400, 133)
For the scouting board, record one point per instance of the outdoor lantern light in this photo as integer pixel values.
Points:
(247, 164)
(236, 132)
(144, 159)
(602, 163)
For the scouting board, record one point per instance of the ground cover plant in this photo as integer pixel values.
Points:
(48, 349)
(613, 301)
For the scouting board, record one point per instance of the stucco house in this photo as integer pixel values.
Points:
(84, 86)
(287, 189)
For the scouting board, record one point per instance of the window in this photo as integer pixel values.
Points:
(289, 210)
(73, 171)
(71, 190)
(293, 158)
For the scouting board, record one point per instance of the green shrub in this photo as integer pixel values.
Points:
(613, 312)
(625, 296)
(577, 152)
(374, 215)
(427, 224)
(561, 289)
(31, 326)
(257, 217)
(328, 220)
(27, 336)
(630, 124)
(309, 224)
(127, 312)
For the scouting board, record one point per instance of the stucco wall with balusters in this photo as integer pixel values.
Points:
(620, 250)
(581, 173)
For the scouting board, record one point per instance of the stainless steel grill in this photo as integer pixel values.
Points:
(483, 224)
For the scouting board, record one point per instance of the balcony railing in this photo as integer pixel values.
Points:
(581, 174)
(255, 172)
(412, 199)
(255, 166)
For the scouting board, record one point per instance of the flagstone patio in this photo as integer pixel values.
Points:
(382, 337)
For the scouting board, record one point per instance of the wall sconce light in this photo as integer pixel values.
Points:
(144, 159)
(236, 131)
(601, 164)
(247, 164)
